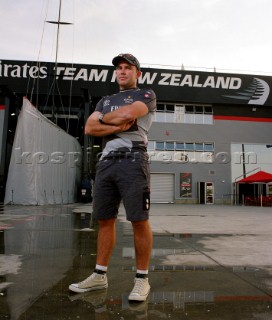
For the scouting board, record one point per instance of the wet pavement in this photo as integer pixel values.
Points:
(208, 262)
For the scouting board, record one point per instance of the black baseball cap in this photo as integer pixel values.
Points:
(127, 57)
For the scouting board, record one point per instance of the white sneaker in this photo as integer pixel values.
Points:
(94, 282)
(140, 291)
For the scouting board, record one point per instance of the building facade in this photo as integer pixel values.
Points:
(210, 129)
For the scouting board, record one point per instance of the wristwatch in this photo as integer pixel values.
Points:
(100, 118)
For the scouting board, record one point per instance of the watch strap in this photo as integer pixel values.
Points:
(100, 118)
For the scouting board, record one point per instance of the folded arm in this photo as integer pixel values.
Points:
(94, 128)
(116, 121)
(126, 114)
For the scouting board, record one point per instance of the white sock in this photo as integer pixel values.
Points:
(142, 271)
(102, 268)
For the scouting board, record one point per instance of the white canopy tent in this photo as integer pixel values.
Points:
(45, 163)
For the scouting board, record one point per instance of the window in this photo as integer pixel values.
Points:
(169, 146)
(181, 146)
(169, 108)
(199, 109)
(159, 145)
(189, 146)
(179, 113)
(208, 110)
(189, 109)
(199, 147)
(208, 147)
(160, 107)
(181, 151)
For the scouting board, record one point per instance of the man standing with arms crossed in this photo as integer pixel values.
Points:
(123, 120)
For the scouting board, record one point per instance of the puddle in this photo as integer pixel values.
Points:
(189, 279)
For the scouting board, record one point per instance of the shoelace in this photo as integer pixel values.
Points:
(87, 279)
(139, 285)
(84, 281)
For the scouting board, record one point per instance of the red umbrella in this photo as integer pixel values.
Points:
(259, 177)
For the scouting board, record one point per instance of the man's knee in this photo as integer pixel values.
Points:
(139, 225)
(106, 222)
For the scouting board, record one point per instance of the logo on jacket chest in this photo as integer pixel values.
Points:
(128, 100)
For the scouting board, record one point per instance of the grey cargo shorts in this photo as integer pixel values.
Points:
(126, 179)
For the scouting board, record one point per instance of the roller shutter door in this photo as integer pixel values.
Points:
(162, 188)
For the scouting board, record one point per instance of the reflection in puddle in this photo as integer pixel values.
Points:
(130, 252)
(175, 305)
(44, 252)
(168, 268)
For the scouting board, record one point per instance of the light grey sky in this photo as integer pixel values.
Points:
(230, 35)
